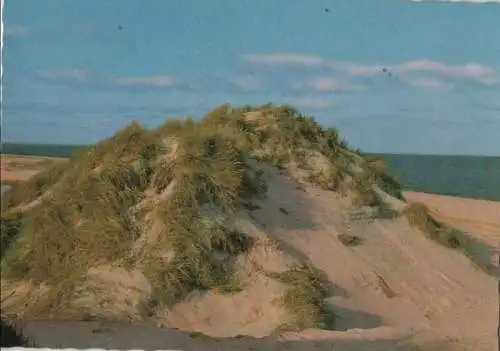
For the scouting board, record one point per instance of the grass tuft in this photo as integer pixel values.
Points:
(305, 298)
(418, 215)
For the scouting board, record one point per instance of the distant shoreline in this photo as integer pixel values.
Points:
(473, 177)
(51, 150)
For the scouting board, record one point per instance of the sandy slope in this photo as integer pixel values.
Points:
(396, 278)
(478, 217)
(397, 285)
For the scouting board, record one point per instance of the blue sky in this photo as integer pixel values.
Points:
(394, 75)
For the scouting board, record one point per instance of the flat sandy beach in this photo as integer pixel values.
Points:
(480, 218)
(21, 168)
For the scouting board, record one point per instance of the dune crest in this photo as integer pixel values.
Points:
(253, 221)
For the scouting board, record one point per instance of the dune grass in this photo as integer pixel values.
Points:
(89, 210)
(305, 298)
(418, 215)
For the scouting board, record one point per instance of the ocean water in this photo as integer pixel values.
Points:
(467, 176)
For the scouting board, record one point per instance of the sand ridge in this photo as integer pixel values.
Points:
(397, 285)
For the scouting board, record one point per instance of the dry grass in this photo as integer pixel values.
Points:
(91, 211)
(418, 216)
(305, 298)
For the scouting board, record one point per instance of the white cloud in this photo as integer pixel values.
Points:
(284, 59)
(308, 102)
(429, 83)
(463, 1)
(354, 68)
(473, 71)
(17, 31)
(64, 74)
(490, 80)
(468, 70)
(152, 81)
(325, 84)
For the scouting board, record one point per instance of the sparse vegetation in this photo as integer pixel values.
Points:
(179, 184)
(305, 298)
(418, 216)
(350, 240)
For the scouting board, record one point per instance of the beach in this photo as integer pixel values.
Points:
(480, 218)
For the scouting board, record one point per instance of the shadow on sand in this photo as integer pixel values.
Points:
(147, 337)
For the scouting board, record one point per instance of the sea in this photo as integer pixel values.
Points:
(476, 177)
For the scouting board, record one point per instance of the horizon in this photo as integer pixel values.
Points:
(403, 78)
(365, 152)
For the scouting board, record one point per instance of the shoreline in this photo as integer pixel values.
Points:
(467, 176)
(465, 213)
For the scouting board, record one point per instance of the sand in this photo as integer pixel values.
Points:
(21, 168)
(478, 217)
(397, 286)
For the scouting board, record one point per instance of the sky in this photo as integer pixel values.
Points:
(395, 76)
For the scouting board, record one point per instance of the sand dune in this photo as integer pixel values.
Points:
(179, 229)
(396, 287)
